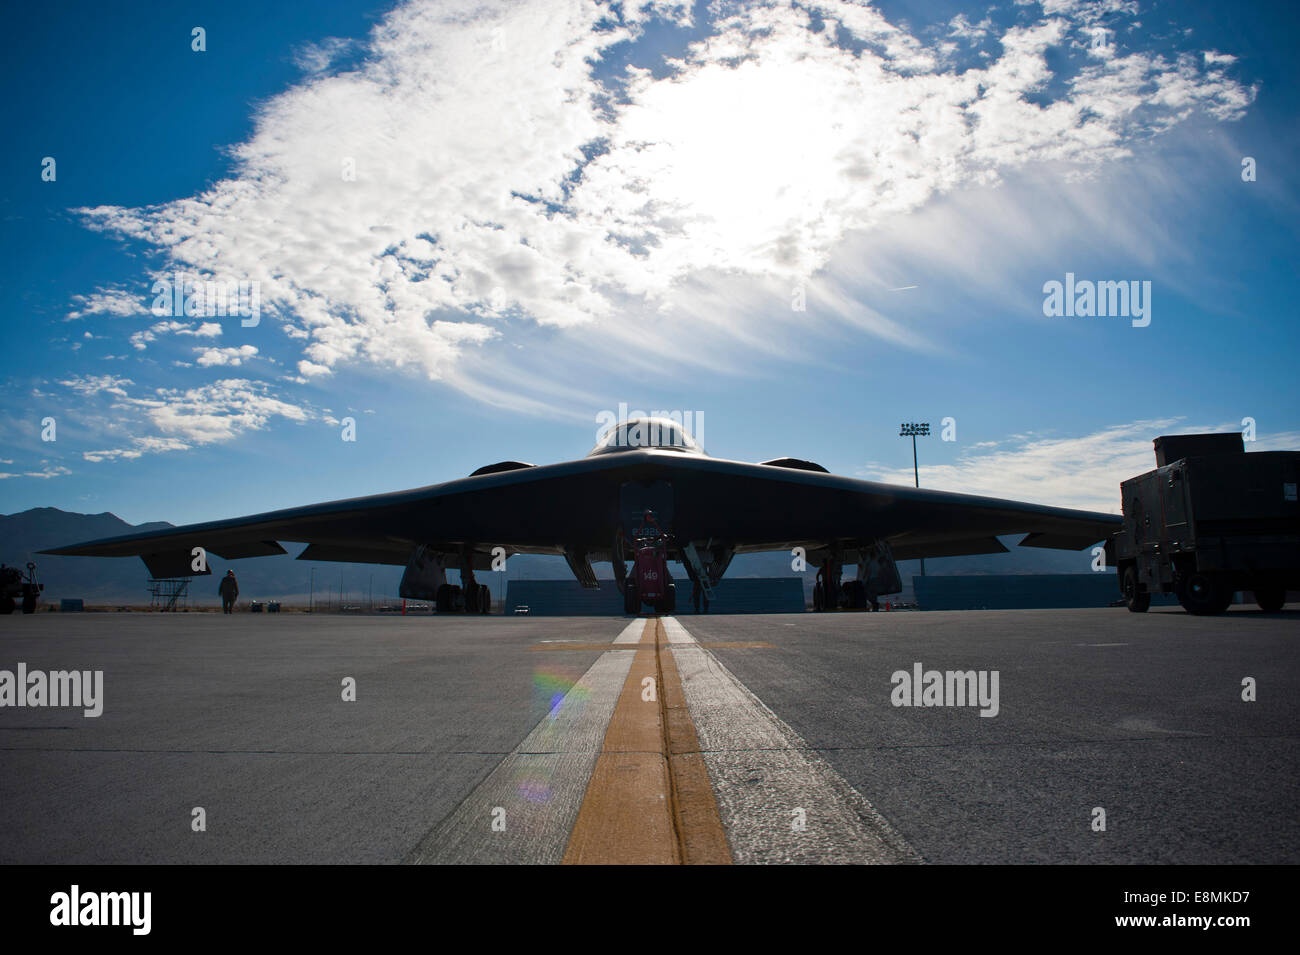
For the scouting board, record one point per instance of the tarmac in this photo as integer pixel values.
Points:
(1113, 738)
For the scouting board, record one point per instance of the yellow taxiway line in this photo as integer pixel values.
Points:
(649, 800)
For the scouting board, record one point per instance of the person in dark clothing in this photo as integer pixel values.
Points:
(229, 591)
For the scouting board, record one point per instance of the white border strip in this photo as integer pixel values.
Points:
(537, 790)
(768, 781)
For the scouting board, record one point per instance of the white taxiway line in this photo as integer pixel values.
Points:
(524, 810)
(632, 632)
(675, 632)
(779, 801)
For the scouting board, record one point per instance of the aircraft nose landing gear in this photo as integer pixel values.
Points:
(649, 582)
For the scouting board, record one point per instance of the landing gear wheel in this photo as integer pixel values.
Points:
(669, 603)
(1270, 599)
(1202, 594)
(442, 598)
(631, 600)
(7, 605)
(484, 599)
(1136, 599)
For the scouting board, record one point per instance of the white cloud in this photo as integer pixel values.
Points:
(176, 419)
(98, 384)
(1082, 471)
(1088, 11)
(116, 302)
(497, 179)
(46, 472)
(318, 57)
(141, 338)
(215, 412)
(95, 457)
(224, 356)
(142, 446)
(960, 26)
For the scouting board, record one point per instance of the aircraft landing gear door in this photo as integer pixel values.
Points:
(635, 499)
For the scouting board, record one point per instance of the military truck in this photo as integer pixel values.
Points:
(1209, 521)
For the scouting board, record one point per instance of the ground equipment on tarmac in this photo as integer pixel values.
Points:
(650, 582)
(1209, 521)
(19, 588)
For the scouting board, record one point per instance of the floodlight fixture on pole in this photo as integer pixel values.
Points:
(910, 429)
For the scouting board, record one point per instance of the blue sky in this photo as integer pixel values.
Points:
(558, 207)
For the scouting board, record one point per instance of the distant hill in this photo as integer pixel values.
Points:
(92, 578)
(123, 580)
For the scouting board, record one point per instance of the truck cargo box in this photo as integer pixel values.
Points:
(1173, 447)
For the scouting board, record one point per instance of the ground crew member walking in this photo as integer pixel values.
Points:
(229, 590)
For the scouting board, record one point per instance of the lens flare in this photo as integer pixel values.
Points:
(551, 688)
(558, 692)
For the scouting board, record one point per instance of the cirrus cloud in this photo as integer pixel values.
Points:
(481, 167)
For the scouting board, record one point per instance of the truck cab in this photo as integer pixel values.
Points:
(1208, 521)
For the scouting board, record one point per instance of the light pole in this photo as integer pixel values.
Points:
(912, 429)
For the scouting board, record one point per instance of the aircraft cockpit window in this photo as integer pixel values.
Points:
(640, 433)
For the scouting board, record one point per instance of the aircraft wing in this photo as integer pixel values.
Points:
(512, 508)
(580, 505)
(761, 507)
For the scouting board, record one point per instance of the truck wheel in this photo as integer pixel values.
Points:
(1201, 594)
(7, 604)
(1136, 599)
(1270, 599)
(631, 600)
